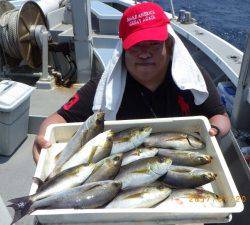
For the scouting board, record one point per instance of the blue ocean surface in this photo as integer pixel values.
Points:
(228, 19)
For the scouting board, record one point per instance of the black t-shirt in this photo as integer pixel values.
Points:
(138, 102)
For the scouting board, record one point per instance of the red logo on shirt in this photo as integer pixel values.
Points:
(185, 109)
(72, 102)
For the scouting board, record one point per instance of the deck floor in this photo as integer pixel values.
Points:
(16, 174)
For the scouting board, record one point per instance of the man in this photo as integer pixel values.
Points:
(156, 84)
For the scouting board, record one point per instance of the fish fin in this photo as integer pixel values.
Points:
(21, 207)
(37, 181)
(136, 195)
(92, 155)
(143, 170)
(58, 156)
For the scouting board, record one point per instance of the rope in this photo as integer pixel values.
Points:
(8, 33)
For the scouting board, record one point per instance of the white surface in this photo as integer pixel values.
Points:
(13, 94)
(104, 11)
(4, 214)
(223, 186)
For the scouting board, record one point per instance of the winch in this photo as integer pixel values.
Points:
(19, 32)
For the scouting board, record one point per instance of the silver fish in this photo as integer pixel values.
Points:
(192, 198)
(141, 197)
(128, 139)
(93, 151)
(185, 158)
(179, 141)
(106, 169)
(89, 129)
(143, 171)
(138, 153)
(61, 182)
(90, 195)
(188, 177)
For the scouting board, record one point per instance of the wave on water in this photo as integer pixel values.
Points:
(228, 19)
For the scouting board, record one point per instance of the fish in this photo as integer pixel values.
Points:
(67, 179)
(143, 171)
(192, 198)
(138, 153)
(185, 158)
(93, 151)
(188, 177)
(89, 129)
(89, 196)
(178, 141)
(141, 197)
(128, 139)
(106, 169)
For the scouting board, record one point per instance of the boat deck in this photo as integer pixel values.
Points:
(16, 174)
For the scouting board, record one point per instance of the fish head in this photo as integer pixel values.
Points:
(116, 159)
(143, 131)
(164, 188)
(160, 165)
(195, 142)
(209, 176)
(146, 130)
(137, 152)
(117, 184)
(110, 135)
(204, 159)
(99, 119)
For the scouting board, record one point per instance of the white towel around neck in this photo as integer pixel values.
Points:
(185, 73)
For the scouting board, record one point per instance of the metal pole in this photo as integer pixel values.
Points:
(82, 38)
(172, 9)
(241, 108)
(45, 73)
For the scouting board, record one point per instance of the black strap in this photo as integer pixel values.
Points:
(216, 128)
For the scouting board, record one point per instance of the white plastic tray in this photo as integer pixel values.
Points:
(224, 185)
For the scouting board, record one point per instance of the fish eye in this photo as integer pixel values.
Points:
(117, 184)
(161, 186)
(99, 121)
(200, 158)
(117, 158)
(161, 160)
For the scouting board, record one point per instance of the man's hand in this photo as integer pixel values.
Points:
(213, 132)
(220, 125)
(39, 143)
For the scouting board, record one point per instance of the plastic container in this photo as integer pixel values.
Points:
(224, 184)
(14, 115)
(227, 93)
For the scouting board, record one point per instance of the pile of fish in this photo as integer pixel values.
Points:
(128, 169)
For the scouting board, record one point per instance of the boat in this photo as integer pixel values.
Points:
(56, 48)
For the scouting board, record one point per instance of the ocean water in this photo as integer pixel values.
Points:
(228, 19)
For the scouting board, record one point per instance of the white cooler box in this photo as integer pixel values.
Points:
(14, 115)
(223, 185)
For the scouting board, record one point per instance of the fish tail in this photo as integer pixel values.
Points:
(21, 206)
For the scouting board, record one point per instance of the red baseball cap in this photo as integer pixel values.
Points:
(143, 22)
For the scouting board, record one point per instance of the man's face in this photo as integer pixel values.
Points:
(147, 61)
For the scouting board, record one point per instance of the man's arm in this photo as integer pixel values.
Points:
(40, 142)
(213, 108)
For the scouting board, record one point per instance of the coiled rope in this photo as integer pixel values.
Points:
(8, 33)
